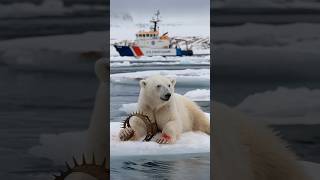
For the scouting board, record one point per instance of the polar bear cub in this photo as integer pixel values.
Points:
(173, 113)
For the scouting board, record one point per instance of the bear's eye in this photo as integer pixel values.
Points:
(169, 85)
(158, 86)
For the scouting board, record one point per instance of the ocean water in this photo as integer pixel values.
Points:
(51, 17)
(37, 103)
(162, 166)
(302, 137)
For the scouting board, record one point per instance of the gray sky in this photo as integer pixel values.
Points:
(178, 8)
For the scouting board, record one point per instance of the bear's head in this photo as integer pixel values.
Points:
(157, 89)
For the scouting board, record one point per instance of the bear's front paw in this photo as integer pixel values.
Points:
(126, 133)
(165, 139)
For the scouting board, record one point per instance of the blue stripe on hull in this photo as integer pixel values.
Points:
(124, 50)
(178, 52)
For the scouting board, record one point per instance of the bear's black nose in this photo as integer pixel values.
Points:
(168, 95)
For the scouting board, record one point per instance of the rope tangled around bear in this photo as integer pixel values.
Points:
(151, 127)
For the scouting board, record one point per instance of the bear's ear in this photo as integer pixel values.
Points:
(173, 81)
(143, 83)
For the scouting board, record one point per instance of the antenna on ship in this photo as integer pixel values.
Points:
(155, 20)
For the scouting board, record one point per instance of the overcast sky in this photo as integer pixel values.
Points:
(191, 9)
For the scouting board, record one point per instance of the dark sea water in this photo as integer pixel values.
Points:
(35, 18)
(36, 103)
(168, 167)
(303, 139)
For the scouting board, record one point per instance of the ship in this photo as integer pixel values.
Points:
(151, 43)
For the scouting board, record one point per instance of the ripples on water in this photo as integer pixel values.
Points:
(197, 167)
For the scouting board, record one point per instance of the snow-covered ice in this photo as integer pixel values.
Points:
(58, 52)
(198, 95)
(188, 143)
(118, 61)
(199, 77)
(284, 106)
(129, 108)
(60, 147)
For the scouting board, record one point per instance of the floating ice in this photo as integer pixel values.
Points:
(198, 95)
(284, 106)
(117, 61)
(129, 108)
(60, 53)
(188, 143)
(200, 77)
(312, 169)
(60, 147)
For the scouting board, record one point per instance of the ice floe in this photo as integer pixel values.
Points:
(200, 77)
(284, 106)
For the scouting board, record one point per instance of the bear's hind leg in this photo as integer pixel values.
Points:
(201, 123)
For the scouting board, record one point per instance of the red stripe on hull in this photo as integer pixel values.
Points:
(137, 51)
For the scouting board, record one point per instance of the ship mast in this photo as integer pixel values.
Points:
(155, 20)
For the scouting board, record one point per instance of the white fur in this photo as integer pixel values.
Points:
(173, 117)
(97, 132)
(245, 150)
